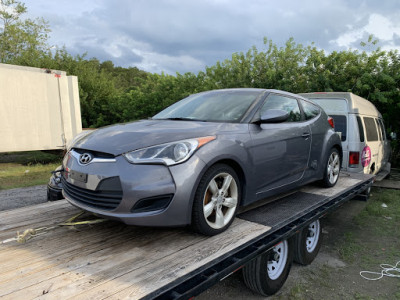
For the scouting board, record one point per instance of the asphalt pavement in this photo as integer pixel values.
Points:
(20, 197)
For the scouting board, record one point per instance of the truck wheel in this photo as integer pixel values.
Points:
(332, 169)
(267, 273)
(307, 243)
(367, 193)
(216, 200)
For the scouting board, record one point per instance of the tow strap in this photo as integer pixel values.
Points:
(34, 232)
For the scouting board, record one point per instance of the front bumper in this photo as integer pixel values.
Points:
(136, 194)
(54, 186)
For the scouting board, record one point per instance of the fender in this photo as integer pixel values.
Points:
(331, 140)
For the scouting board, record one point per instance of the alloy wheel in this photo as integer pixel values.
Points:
(220, 200)
(333, 167)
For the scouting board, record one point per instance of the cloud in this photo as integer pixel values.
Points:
(379, 26)
(179, 35)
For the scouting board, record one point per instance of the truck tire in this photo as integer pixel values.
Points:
(307, 243)
(267, 273)
(216, 200)
(367, 193)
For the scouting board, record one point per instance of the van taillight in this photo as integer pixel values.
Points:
(331, 122)
(354, 159)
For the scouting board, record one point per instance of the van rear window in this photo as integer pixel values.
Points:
(332, 104)
(340, 125)
(370, 128)
(360, 129)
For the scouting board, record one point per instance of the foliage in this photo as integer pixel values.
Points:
(111, 94)
(31, 157)
(20, 37)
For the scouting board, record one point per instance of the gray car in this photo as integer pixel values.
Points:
(200, 159)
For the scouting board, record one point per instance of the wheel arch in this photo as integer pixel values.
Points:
(239, 171)
(221, 160)
(332, 141)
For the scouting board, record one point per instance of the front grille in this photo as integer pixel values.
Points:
(105, 199)
(94, 153)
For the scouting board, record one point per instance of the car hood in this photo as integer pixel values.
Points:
(121, 138)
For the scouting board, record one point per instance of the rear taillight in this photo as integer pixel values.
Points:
(331, 122)
(354, 159)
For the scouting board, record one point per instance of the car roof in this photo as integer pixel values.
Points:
(258, 89)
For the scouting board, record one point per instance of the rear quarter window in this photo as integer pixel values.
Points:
(370, 129)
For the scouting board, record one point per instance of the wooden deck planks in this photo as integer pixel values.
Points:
(108, 259)
(343, 183)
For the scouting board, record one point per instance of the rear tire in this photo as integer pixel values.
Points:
(367, 193)
(216, 200)
(331, 168)
(267, 273)
(307, 243)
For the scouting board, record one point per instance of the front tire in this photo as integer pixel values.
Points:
(331, 169)
(216, 200)
(267, 273)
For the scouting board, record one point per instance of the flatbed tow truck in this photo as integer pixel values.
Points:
(116, 261)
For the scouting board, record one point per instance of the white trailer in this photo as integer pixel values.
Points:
(39, 108)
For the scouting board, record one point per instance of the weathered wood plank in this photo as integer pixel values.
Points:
(64, 268)
(44, 216)
(343, 183)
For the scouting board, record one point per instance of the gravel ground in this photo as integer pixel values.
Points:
(15, 198)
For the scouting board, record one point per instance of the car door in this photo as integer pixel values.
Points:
(279, 151)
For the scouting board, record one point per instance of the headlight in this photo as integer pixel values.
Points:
(168, 154)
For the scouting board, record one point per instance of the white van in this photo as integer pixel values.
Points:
(366, 147)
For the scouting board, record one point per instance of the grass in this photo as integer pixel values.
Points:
(370, 239)
(377, 228)
(23, 169)
(350, 247)
(31, 157)
(379, 221)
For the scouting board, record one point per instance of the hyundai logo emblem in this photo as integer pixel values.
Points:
(85, 158)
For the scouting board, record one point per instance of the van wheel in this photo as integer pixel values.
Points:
(332, 169)
(307, 243)
(267, 273)
(216, 200)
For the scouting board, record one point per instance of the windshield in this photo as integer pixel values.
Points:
(225, 106)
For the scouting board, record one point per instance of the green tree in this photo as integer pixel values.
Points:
(20, 38)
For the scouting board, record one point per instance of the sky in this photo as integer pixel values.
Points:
(186, 36)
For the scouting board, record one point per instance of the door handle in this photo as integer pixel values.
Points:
(305, 135)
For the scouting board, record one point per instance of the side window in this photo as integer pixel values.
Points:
(382, 127)
(370, 128)
(378, 126)
(340, 125)
(310, 110)
(284, 103)
(360, 129)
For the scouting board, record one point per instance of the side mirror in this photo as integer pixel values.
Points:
(274, 116)
(393, 136)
